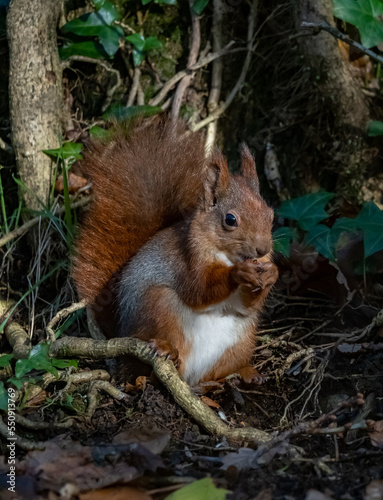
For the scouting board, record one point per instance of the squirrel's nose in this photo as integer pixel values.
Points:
(263, 249)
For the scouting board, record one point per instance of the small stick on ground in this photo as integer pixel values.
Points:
(95, 388)
(63, 314)
(22, 443)
(37, 426)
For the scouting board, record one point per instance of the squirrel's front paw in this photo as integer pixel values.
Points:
(256, 274)
(164, 348)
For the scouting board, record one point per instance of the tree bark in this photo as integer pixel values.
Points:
(336, 82)
(35, 91)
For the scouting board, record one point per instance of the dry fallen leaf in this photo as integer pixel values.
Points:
(75, 182)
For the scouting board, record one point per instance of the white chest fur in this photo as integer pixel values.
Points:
(210, 333)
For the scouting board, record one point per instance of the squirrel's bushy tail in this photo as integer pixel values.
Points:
(142, 182)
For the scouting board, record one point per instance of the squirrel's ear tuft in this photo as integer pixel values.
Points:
(248, 168)
(217, 179)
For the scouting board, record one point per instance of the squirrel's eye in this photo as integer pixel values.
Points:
(231, 220)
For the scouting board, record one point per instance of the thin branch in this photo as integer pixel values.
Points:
(63, 314)
(134, 87)
(317, 27)
(223, 107)
(193, 56)
(216, 74)
(181, 74)
(25, 227)
(111, 90)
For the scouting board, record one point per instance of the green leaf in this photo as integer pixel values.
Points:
(38, 360)
(137, 40)
(375, 128)
(95, 50)
(19, 382)
(123, 113)
(151, 43)
(323, 240)
(365, 15)
(307, 210)
(100, 133)
(282, 238)
(98, 3)
(67, 150)
(142, 46)
(203, 489)
(5, 359)
(167, 2)
(110, 39)
(199, 5)
(3, 397)
(90, 24)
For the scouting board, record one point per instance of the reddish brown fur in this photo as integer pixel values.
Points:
(122, 218)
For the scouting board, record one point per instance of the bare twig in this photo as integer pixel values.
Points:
(134, 87)
(193, 56)
(200, 64)
(95, 387)
(6, 147)
(237, 87)
(216, 74)
(23, 443)
(63, 314)
(317, 27)
(111, 90)
(31, 223)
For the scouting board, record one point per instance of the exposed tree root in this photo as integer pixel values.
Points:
(166, 373)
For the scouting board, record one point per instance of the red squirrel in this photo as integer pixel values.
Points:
(175, 250)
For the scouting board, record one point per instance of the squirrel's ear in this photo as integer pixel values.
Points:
(217, 179)
(248, 168)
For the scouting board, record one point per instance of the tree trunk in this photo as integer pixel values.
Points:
(336, 82)
(342, 93)
(35, 89)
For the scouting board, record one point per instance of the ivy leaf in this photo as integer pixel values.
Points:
(123, 113)
(282, 238)
(67, 150)
(307, 210)
(5, 359)
(375, 128)
(137, 40)
(323, 240)
(199, 5)
(88, 49)
(203, 489)
(142, 46)
(90, 24)
(110, 39)
(39, 359)
(151, 43)
(364, 14)
(370, 222)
